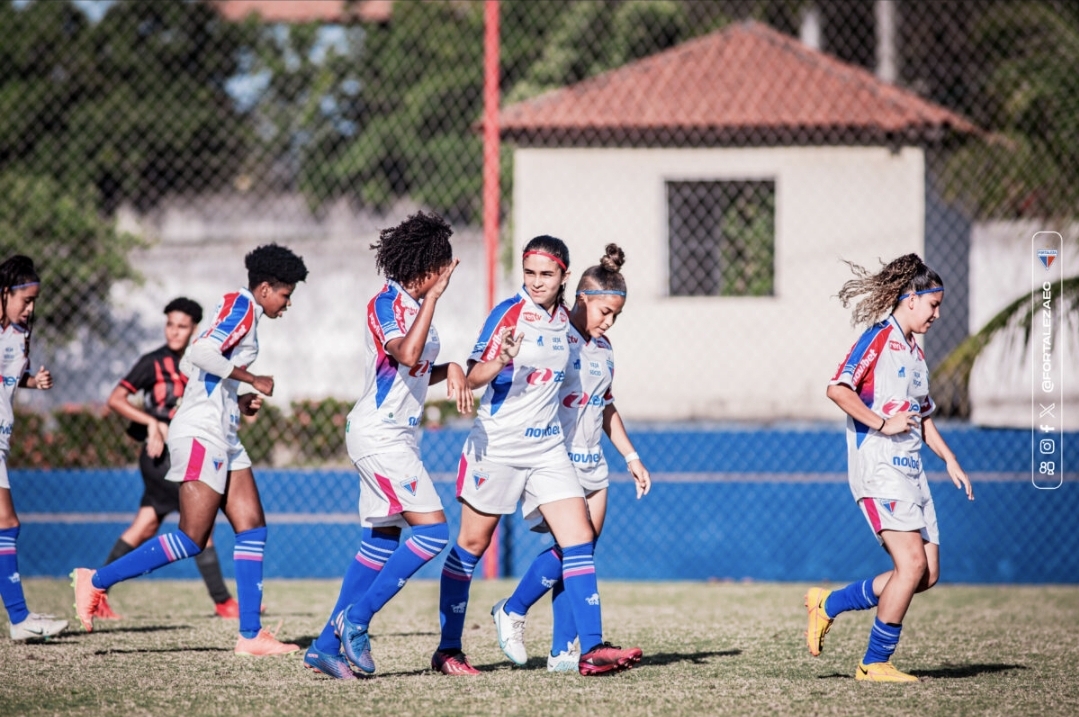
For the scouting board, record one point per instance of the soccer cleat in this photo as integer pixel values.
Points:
(881, 672)
(566, 661)
(104, 611)
(264, 644)
(37, 627)
(819, 622)
(229, 609)
(87, 596)
(452, 663)
(606, 658)
(511, 633)
(325, 663)
(355, 642)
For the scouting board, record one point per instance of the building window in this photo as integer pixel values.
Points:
(721, 238)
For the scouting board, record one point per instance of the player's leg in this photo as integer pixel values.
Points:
(24, 624)
(908, 552)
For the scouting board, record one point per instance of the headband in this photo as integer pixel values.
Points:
(609, 292)
(547, 254)
(919, 293)
(24, 286)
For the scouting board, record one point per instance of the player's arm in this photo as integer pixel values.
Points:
(936, 443)
(456, 385)
(407, 349)
(206, 355)
(41, 380)
(845, 397)
(481, 373)
(616, 431)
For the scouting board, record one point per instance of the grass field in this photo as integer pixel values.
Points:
(710, 648)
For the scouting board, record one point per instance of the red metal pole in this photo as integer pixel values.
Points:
(490, 193)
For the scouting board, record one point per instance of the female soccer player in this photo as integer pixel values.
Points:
(586, 408)
(207, 455)
(382, 436)
(515, 453)
(883, 387)
(158, 376)
(19, 289)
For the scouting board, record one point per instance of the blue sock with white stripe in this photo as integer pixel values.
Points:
(856, 596)
(10, 582)
(247, 561)
(426, 543)
(149, 556)
(579, 577)
(564, 631)
(883, 639)
(453, 595)
(375, 550)
(541, 576)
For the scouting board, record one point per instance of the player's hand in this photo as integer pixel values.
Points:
(640, 477)
(263, 384)
(901, 422)
(43, 379)
(457, 389)
(510, 345)
(444, 275)
(155, 441)
(959, 477)
(250, 403)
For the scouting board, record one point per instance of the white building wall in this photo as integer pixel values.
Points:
(727, 358)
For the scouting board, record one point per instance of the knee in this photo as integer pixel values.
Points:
(475, 544)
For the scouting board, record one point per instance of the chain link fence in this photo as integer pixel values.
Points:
(738, 150)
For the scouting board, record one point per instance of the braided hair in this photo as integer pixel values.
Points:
(547, 244)
(15, 273)
(414, 248)
(882, 290)
(607, 274)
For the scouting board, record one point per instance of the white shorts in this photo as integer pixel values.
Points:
(592, 477)
(394, 483)
(5, 482)
(495, 488)
(202, 460)
(902, 516)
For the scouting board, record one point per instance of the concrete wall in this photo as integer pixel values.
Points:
(728, 358)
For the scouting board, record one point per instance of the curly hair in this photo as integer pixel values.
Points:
(414, 248)
(276, 265)
(186, 306)
(555, 247)
(882, 290)
(18, 271)
(607, 274)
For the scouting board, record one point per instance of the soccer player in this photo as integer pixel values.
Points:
(157, 375)
(382, 436)
(515, 453)
(19, 290)
(883, 387)
(207, 455)
(586, 410)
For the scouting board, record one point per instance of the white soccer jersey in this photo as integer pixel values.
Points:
(13, 366)
(889, 375)
(387, 416)
(517, 419)
(582, 398)
(210, 409)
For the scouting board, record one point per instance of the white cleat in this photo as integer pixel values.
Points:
(37, 627)
(511, 633)
(565, 661)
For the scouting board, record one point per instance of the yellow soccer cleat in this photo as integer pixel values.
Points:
(819, 622)
(882, 672)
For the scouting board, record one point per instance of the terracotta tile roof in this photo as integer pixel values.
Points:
(305, 10)
(746, 84)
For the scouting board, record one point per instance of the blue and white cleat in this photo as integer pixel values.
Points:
(565, 661)
(326, 663)
(511, 633)
(355, 642)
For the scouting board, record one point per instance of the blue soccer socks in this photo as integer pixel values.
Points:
(426, 543)
(149, 556)
(564, 631)
(542, 575)
(247, 561)
(579, 578)
(375, 549)
(453, 596)
(10, 582)
(883, 639)
(856, 596)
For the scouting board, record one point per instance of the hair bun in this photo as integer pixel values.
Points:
(614, 258)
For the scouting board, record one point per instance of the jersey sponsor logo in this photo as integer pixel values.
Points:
(897, 405)
(531, 316)
(413, 421)
(5, 428)
(543, 431)
(545, 375)
(912, 462)
(895, 345)
(10, 381)
(420, 369)
(902, 372)
(549, 582)
(480, 478)
(579, 400)
(593, 369)
(572, 339)
(410, 484)
(862, 366)
(586, 458)
(9, 352)
(916, 379)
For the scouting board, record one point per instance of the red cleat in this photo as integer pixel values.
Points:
(452, 663)
(103, 611)
(608, 658)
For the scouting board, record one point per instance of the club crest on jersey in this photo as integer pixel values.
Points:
(888, 505)
(410, 485)
(480, 479)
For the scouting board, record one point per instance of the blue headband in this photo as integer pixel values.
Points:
(919, 293)
(601, 292)
(24, 286)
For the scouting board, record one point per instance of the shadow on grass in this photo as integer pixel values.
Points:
(143, 651)
(142, 628)
(948, 672)
(696, 658)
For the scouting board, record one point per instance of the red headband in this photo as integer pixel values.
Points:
(550, 256)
